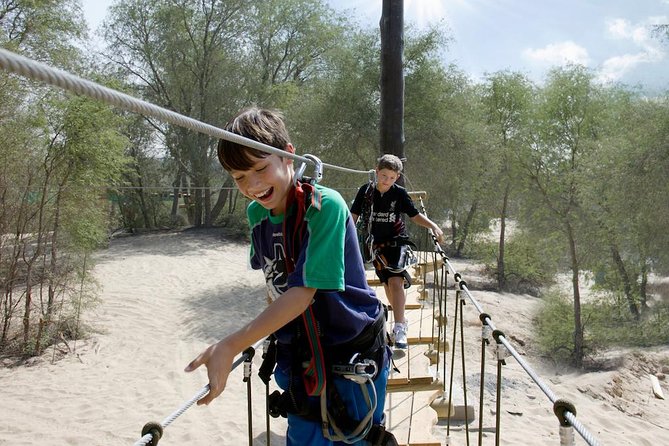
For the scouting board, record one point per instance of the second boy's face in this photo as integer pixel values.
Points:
(385, 178)
(267, 181)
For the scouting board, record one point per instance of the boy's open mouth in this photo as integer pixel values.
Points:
(265, 195)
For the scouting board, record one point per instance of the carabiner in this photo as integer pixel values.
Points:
(318, 170)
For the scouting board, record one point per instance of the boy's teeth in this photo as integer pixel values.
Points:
(262, 194)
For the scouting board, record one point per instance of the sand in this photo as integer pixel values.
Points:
(164, 297)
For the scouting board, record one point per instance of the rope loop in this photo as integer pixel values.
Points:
(560, 407)
(484, 318)
(496, 334)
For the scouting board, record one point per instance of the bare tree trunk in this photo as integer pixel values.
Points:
(233, 202)
(175, 199)
(197, 207)
(643, 290)
(578, 326)
(465, 229)
(220, 202)
(501, 272)
(627, 284)
(207, 206)
(454, 231)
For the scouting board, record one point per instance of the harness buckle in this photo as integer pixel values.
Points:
(360, 372)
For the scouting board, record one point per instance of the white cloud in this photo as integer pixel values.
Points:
(561, 53)
(614, 68)
(650, 49)
(618, 28)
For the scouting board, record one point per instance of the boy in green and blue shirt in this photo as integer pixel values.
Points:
(304, 240)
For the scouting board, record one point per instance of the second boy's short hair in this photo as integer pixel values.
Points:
(262, 125)
(390, 162)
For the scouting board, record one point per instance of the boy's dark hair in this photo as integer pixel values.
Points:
(390, 162)
(265, 126)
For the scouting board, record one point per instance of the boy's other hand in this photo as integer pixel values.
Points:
(438, 233)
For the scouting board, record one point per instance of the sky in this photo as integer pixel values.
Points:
(611, 37)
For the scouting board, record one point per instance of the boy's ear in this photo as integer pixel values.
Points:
(290, 149)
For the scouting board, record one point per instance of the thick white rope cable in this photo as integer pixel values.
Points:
(571, 417)
(41, 72)
(146, 439)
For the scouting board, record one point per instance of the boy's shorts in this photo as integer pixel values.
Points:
(391, 259)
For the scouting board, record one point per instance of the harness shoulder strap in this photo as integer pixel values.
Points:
(305, 195)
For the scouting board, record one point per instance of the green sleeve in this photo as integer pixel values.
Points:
(324, 265)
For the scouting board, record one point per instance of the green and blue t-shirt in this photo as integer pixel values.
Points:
(329, 260)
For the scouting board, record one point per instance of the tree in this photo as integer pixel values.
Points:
(207, 60)
(507, 101)
(566, 131)
(626, 171)
(335, 116)
(49, 181)
(289, 42)
(181, 56)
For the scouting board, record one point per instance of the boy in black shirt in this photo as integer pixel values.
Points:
(388, 202)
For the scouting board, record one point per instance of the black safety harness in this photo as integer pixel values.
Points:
(365, 237)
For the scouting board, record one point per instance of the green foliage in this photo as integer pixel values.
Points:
(607, 324)
(530, 261)
(554, 325)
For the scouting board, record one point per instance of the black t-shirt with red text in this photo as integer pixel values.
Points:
(387, 219)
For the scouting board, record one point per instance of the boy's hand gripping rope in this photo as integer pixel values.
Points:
(153, 431)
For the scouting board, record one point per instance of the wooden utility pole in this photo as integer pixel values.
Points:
(392, 78)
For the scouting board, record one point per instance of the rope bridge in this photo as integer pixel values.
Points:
(152, 432)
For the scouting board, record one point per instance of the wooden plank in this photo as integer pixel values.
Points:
(415, 195)
(420, 316)
(426, 265)
(413, 364)
(412, 297)
(411, 419)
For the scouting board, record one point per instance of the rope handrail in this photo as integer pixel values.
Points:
(571, 417)
(38, 71)
(567, 412)
(153, 429)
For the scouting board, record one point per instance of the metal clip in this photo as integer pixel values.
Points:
(486, 333)
(247, 370)
(502, 352)
(359, 372)
(318, 170)
(372, 177)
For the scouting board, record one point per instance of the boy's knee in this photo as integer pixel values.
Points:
(396, 280)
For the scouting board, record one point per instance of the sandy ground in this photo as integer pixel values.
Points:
(164, 297)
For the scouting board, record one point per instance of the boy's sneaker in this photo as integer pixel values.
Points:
(400, 335)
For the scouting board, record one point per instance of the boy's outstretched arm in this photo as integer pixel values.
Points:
(218, 357)
(422, 220)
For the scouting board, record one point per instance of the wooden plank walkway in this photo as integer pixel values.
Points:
(413, 387)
